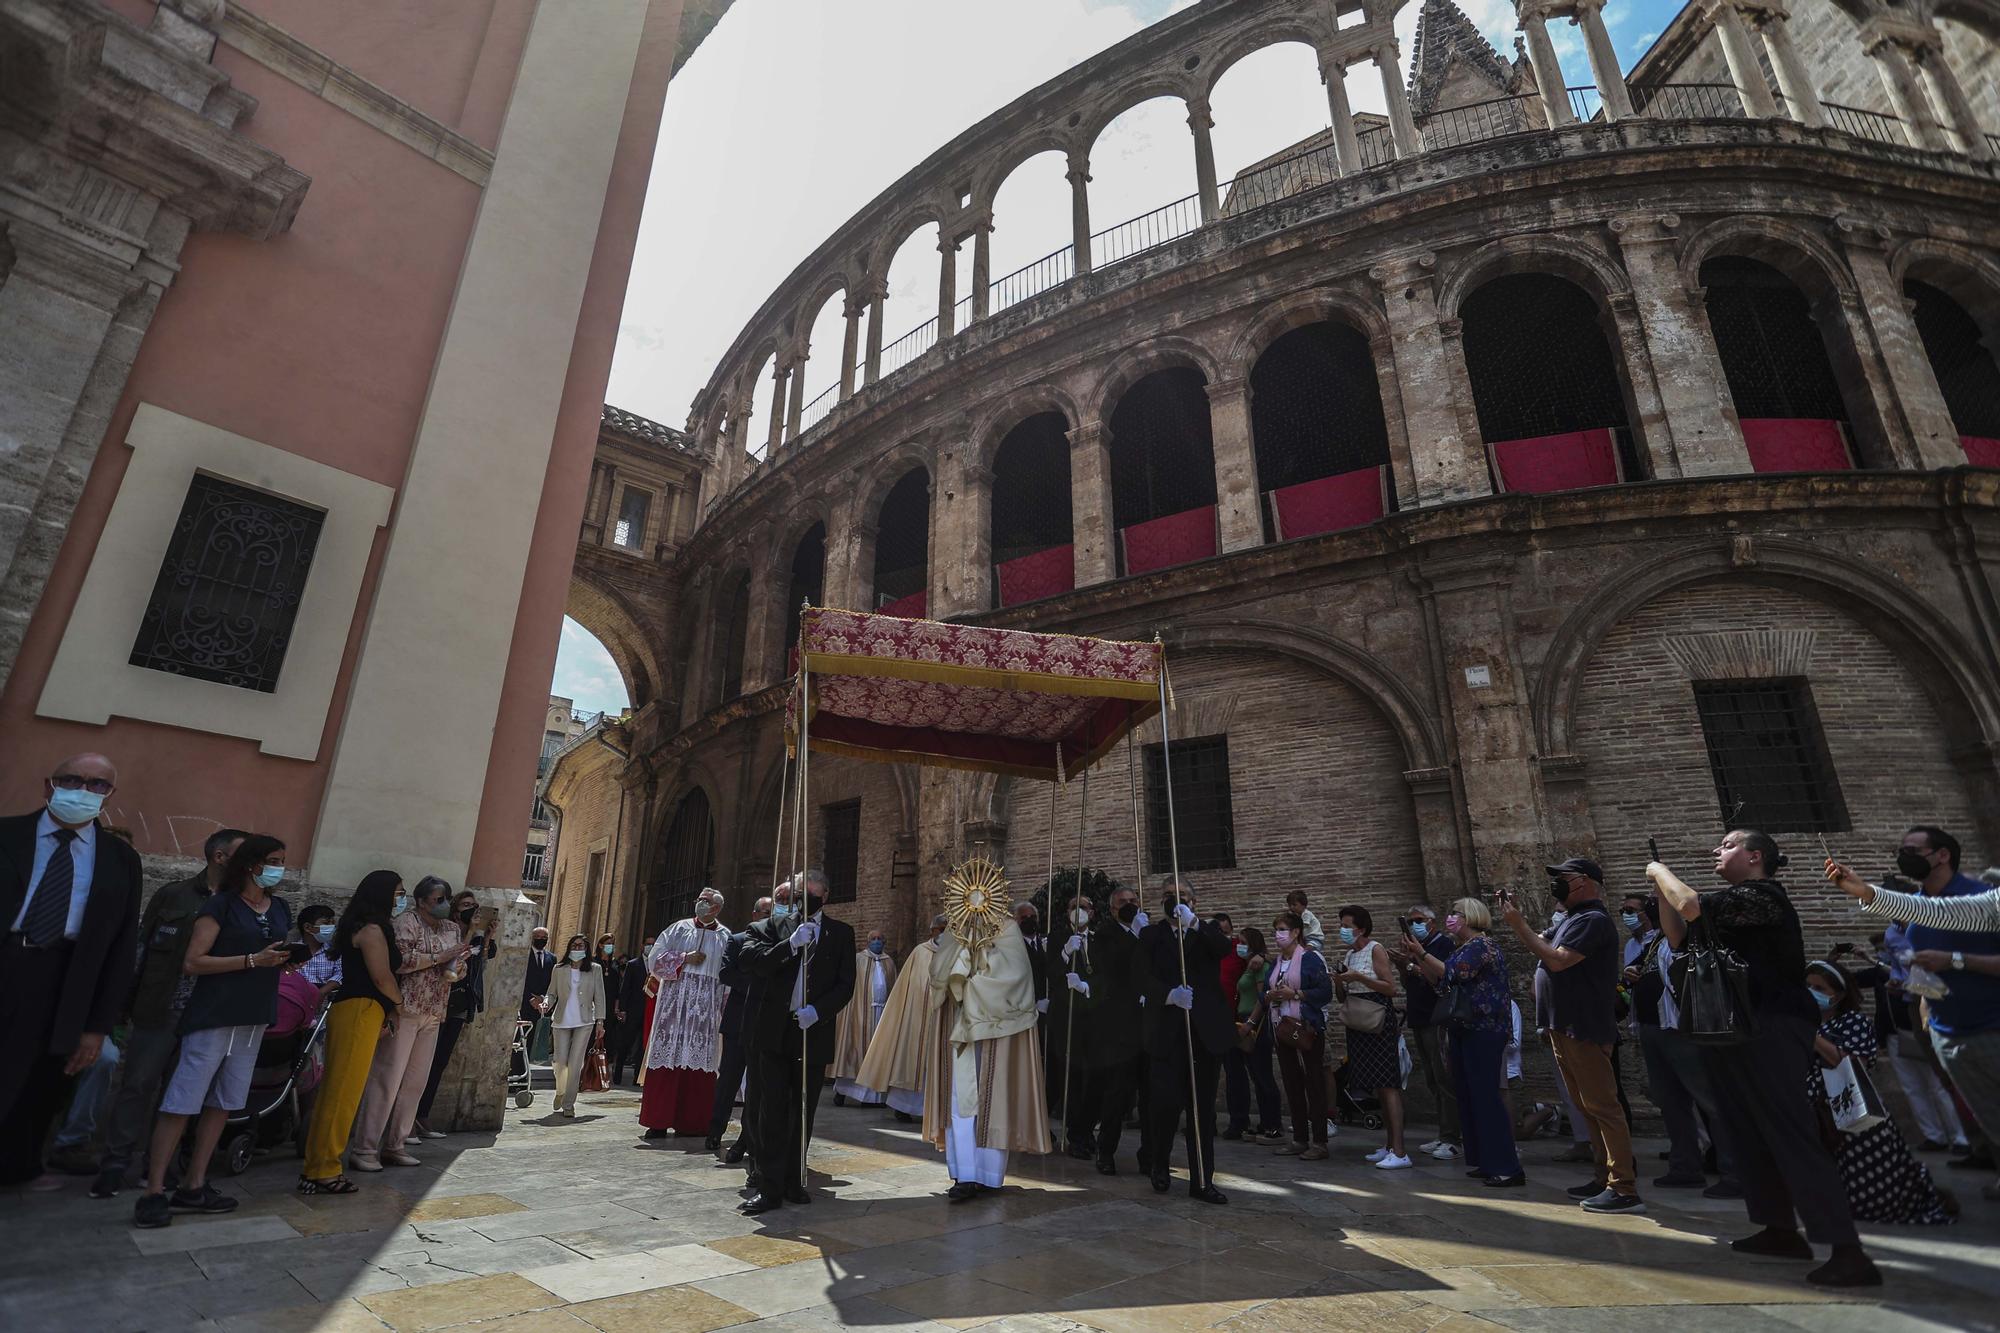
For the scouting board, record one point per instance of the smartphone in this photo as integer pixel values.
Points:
(1403, 925)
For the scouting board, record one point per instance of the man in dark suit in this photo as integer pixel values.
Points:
(1110, 977)
(541, 970)
(69, 898)
(1186, 1013)
(1066, 1015)
(803, 970)
(735, 1042)
(626, 992)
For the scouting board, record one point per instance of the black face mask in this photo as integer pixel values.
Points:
(1913, 864)
(1128, 913)
(1559, 890)
(814, 904)
(465, 915)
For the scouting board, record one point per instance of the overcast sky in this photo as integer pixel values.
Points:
(795, 113)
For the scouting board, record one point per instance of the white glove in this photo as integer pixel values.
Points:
(1041, 1006)
(807, 1017)
(1075, 943)
(1079, 985)
(1141, 921)
(1181, 997)
(807, 933)
(1185, 915)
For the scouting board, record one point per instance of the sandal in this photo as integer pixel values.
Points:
(338, 1185)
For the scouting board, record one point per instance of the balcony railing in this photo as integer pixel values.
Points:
(1146, 232)
(1586, 103)
(910, 346)
(1480, 121)
(1030, 280)
(1687, 101)
(1877, 126)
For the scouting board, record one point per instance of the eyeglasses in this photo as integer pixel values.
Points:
(77, 782)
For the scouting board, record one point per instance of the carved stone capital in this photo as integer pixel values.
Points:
(1644, 228)
(1862, 233)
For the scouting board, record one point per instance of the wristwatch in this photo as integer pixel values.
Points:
(1957, 961)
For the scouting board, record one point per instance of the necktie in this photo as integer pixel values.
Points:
(48, 914)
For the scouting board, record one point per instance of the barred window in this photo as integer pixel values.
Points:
(229, 588)
(1201, 807)
(531, 865)
(1769, 756)
(840, 852)
(631, 530)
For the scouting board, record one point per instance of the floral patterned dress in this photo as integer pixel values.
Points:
(1885, 1183)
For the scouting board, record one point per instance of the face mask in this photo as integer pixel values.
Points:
(1559, 890)
(440, 909)
(270, 876)
(1631, 920)
(325, 936)
(1452, 923)
(1128, 912)
(576, 955)
(876, 946)
(541, 946)
(402, 903)
(781, 911)
(1079, 918)
(1825, 1000)
(1242, 951)
(1557, 917)
(1910, 862)
(1347, 934)
(704, 909)
(608, 950)
(75, 807)
(465, 914)
(814, 903)
(1420, 931)
(1283, 937)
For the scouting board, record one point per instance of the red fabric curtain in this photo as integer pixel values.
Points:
(1795, 444)
(1548, 463)
(1329, 504)
(1981, 452)
(1173, 540)
(1029, 578)
(909, 608)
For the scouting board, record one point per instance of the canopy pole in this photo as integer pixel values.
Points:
(798, 889)
(1174, 850)
(1069, 1006)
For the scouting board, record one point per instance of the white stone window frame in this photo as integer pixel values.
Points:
(92, 678)
(637, 546)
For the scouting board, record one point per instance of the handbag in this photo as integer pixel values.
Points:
(1364, 1013)
(1295, 1033)
(596, 1069)
(1851, 1097)
(1454, 1008)
(1712, 986)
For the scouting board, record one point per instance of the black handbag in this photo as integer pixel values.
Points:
(1454, 1007)
(1712, 987)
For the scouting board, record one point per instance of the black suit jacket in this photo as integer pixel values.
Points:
(1214, 1021)
(767, 955)
(632, 989)
(740, 984)
(105, 960)
(1117, 973)
(537, 980)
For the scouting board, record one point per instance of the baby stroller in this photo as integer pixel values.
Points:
(520, 1081)
(1351, 1110)
(289, 1064)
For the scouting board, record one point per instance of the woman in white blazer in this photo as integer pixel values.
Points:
(575, 1006)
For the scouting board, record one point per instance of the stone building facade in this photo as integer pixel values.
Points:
(1555, 481)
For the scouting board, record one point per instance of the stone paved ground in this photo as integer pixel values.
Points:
(574, 1225)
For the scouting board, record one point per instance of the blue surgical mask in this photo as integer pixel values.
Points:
(402, 903)
(324, 935)
(271, 876)
(75, 807)
(576, 955)
(1631, 920)
(1242, 951)
(1419, 931)
(876, 946)
(781, 911)
(1825, 1000)
(1347, 934)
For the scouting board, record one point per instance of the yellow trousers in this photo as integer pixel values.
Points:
(352, 1029)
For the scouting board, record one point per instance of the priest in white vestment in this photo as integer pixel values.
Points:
(984, 1058)
(874, 979)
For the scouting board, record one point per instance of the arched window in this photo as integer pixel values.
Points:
(1316, 421)
(687, 862)
(902, 547)
(1032, 547)
(807, 582)
(1774, 357)
(1965, 369)
(1550, 403)
(1163, 472)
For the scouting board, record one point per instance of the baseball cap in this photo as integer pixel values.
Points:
(1577, 865)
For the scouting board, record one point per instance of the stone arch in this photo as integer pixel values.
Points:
(1273, 321)
(1001, 415)
(816, 298)
(1971, 277)
(1142, 87)
(1801, 254)
(1581, 261)
(1982, 16)
(900, 228)
(624, 631)
(876, 480)
(988, 181)
(1952, 671)
(1134, 365)
(1272, 32)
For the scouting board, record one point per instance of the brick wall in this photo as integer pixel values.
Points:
(833, 780)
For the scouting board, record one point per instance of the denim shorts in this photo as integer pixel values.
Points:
(214, 1070)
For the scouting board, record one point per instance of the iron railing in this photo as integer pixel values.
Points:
(1993, 143)
(1148, 231)
(1281, 179)
(1029, 280)
(1479, 121)
(816, 411)
(1687, 101)
(1377, 144)
(1586, 103)
(910, 346)
(1877, 126)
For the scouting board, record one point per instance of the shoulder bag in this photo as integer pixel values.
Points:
(1712, 987)
(1363, 1010)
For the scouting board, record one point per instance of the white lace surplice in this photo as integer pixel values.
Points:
(687, 1016)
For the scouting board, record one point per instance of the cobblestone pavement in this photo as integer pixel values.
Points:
(576, 1224)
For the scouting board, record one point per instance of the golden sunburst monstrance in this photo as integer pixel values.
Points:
(975, 902)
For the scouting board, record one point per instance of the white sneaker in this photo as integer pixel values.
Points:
(433, 1134)
(1332, 1128)
(1431, 1147)
(1444, 1152)
(1379, 1154)
(1392, 1162)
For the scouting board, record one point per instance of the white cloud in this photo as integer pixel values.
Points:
(585, 672)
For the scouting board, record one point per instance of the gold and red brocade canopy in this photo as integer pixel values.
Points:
(964, 696)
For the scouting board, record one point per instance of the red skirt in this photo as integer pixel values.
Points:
(680, 1100)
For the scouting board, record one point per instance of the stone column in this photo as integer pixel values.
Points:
(1402, 127)
(878, 293)
(1604, 69)
(466, 1097)
(1795, 81)
(1917, 404)
(1549, 80)
(850, 344)
(798, 404)
(1200, 121)
(1899, 77)
(982, 267)
(837, 571)
(1079, 210)
(1741, 54)
(777, 432)
(1447, 461)
(1964, 120)
(961, 535)
(947, 283)
(1091, 524)
(1238, 502)
(1702, 436)
(1346, 147)
(763, 658)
